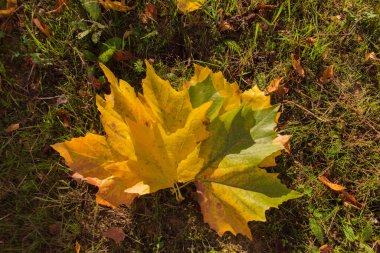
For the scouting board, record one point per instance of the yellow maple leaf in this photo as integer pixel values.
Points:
(189, 5)
(150, 141)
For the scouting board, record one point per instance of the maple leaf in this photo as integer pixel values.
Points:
(151, 140)
(189, 5)
(207, 132)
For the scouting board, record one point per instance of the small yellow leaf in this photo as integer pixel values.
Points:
(115, 5)
(189, 5)
(10, 8)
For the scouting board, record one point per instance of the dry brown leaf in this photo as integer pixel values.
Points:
(43, 28)
(326, 249)
(309, 40)
(371, 56)
(225, 26)
(327, 75)
(96, 84)
(123, 55)
(12, 127)
(332, 186)
(150, 13)
(65, 118)
(283, 140)
(348, 197)
(77, 247)
(296, 63)
(275, 87)
(59, 6)
(115, 234)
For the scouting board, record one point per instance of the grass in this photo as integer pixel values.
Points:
(45, 82)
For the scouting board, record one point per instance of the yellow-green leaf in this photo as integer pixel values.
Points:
(189, 5)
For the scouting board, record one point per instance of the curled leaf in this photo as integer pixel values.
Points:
(43, 28)
(332, 186)
(12, 127)
(296, 63)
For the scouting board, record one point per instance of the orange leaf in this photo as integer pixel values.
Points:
(10, 8)
(41, 27)
(332, 186)
(77, 247)
(348, 197)
(12, 127)
(275, 87)
(296, 63)
(327, 75)
(59, 6)
(115, 234)
(326, 249)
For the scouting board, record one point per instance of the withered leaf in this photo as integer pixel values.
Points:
(332, 186)
(116, 234)
(296, 63)
(43, 28)
(327, 75)
(12, 127)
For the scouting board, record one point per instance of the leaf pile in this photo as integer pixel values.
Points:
(208, 132)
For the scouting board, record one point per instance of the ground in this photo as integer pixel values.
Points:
(48, 85)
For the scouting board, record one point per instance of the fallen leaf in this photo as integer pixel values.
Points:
(123, 55)
(275, 87)
(326, 249)
(225, 26)
(348, 197)
(43, 28)
(116, 234)
(327, 75)
(65, 118)
(96, 84)
(371, 56)
(77, 247)
(296, 63)
(309, 40)
(189, 5)
(115, 5)
(150, 13)
(284, 141)
(59, 6)
(12, 127)
(207, 132)
(10, 8)
(332, 186)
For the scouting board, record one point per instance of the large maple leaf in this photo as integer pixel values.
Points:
(151, 141)
(209, 132)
